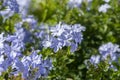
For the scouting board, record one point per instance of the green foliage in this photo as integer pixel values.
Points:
(7, 25)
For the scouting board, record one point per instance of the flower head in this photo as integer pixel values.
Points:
(103, 8)
(12, 4)
(108, 49)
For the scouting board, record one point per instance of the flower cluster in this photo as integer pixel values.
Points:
(109, 49)
(11, 55)
(95, 59)
(55, 37)
(24, 33)
(64, 35)
(108, 52)
(12, 5)
(32, 66)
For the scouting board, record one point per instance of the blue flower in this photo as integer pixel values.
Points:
(56, 44)
(15, 48)
(12, 4)
(73, 47)
(6, 14)
(42, 70)
(4, 63)
(33, 62)
(47, 42)
(77, 37)
(103, 8)
(35, 59)
(47, 63)
(108, 49)
(17, 67)
(77, 28)
(57, 30)
(95, 59)
(24, 35)
(66, 38)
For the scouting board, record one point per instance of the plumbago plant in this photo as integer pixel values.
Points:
(59, 40)
(19, 57)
